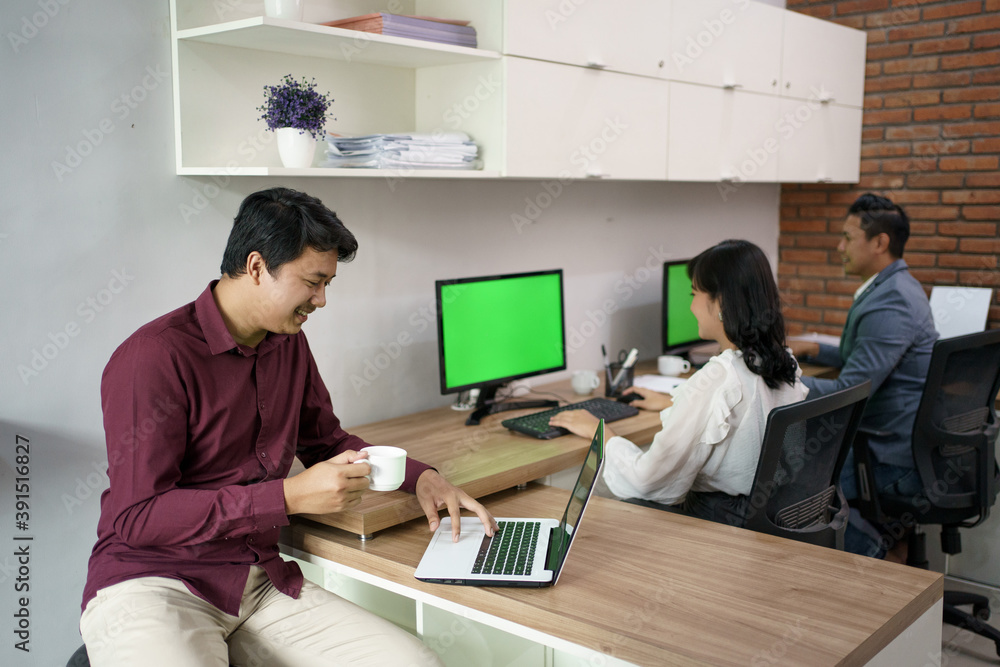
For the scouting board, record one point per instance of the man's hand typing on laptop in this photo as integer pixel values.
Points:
(435, 492)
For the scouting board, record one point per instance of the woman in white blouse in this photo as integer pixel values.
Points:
(704, 459)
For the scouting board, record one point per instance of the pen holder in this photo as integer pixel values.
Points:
(626, 381)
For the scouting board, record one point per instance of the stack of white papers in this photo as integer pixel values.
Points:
(451, 150)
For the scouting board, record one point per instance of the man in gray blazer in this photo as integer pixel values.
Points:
(888, 338)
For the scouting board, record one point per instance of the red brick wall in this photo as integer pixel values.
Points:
(930, 141)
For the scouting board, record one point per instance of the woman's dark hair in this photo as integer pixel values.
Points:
(280, 224)
(737, 275)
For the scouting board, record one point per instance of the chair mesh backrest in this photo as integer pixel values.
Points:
(957, 419)
(808, 458)
(805, 443)
(814, 511)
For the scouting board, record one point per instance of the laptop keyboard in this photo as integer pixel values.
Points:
(537, 423)
(511, 550)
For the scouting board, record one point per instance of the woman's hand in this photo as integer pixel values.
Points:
(651, 400)
(579, 422)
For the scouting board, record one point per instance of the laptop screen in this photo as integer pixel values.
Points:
(563, 535)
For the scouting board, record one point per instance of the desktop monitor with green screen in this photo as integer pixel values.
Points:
(495, 329)
(680, 328)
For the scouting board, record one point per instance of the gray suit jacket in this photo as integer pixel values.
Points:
(888, 338)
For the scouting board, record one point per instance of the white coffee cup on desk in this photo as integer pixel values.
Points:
(388, 466)
(585, 382)
(670, 364)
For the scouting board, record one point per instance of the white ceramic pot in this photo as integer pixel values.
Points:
(284, 9)
(296, 148)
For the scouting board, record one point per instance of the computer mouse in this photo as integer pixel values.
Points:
(628, 398)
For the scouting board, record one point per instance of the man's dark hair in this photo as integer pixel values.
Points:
(280, 224)
(880, 216)
(737, 275)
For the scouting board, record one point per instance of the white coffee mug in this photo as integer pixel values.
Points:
(388, 467)
(585, 382)
(670, 364)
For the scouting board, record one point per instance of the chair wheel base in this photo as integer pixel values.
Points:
(974, 622)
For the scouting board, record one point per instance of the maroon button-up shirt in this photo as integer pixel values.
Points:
(200, 432)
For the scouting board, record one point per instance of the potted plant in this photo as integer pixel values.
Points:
(296, 112)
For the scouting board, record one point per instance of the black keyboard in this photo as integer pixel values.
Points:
(537, 424)
(511, 550)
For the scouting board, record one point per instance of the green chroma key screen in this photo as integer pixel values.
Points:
(500, 327)
(679, 324)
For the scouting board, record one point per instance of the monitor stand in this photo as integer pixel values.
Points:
(487, 405)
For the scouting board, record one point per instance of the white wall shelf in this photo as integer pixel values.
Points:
(541, 101)
(262, 33)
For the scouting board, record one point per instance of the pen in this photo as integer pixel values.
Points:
(607, 367)
(629, 362)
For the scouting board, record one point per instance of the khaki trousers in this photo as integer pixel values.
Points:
(156, 621)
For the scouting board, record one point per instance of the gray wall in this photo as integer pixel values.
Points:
(98, 236)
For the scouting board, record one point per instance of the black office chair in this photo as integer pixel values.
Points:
(954, 448)
(796, 489)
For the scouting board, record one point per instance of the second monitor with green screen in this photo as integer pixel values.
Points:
(494, 329)
(680, 328)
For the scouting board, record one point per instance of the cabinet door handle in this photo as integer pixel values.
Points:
(729, 85)
(598, 174)
(824, 179)
(593, 63)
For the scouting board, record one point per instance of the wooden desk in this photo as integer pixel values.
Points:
(480, 459)
(679, 591)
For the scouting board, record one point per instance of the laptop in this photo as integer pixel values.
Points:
(524, 552)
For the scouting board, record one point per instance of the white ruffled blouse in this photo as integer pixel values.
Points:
(711, 436)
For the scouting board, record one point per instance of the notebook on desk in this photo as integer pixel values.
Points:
(525, 552)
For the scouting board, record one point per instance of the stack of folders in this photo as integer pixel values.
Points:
(446, 31)
(440, 150)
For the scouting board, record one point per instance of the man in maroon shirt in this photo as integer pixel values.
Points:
(204, 410)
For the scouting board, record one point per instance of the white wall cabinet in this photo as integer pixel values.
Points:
(726, 44)
(819, 142)
(575, 121)
(685, 90)
(823, 61)
(722, 135)
(624, 36)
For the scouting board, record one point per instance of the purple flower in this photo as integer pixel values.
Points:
(295, 104)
